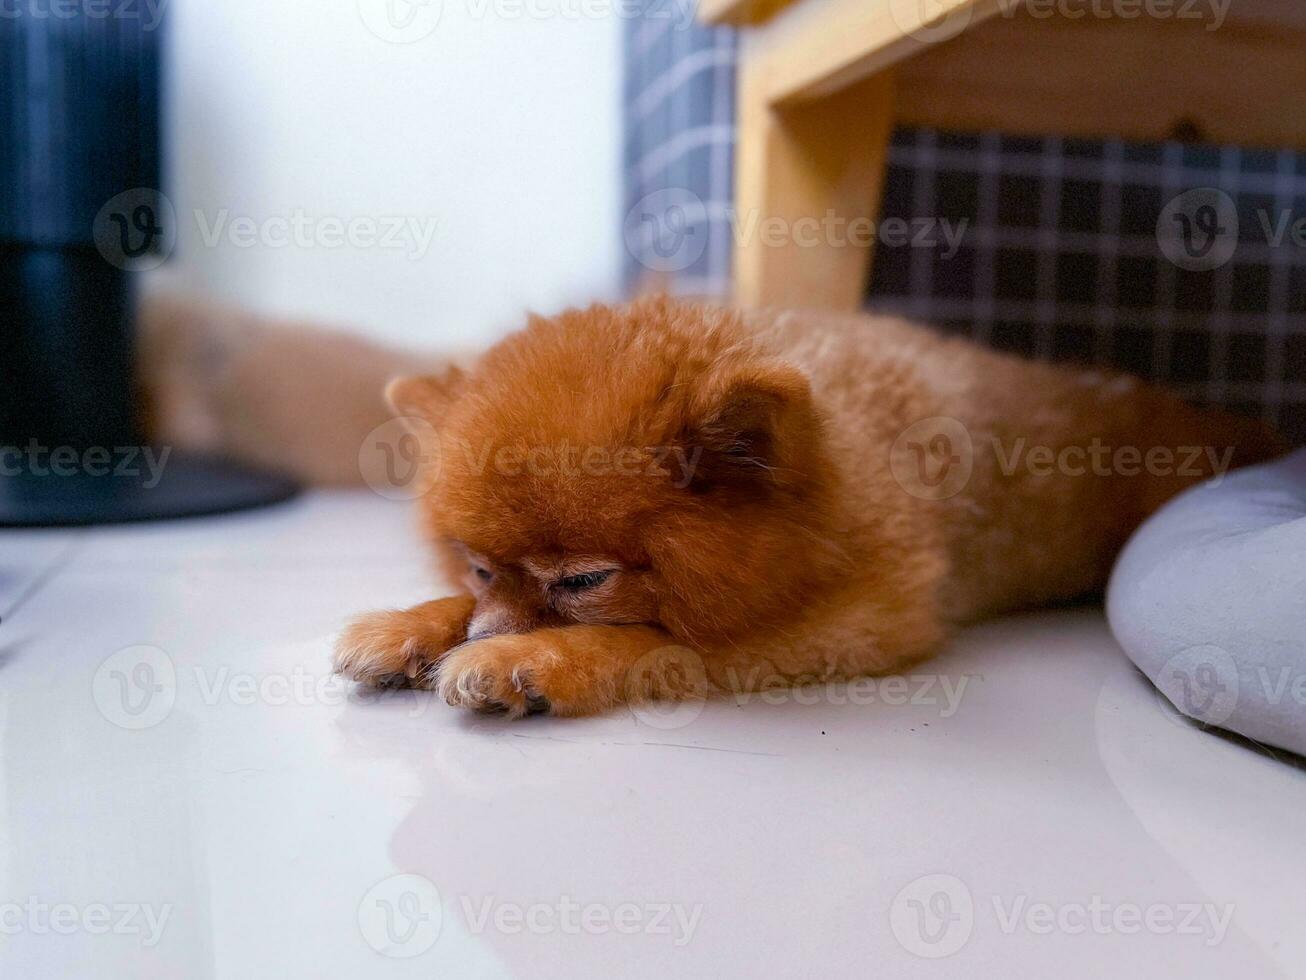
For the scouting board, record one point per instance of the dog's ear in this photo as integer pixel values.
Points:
(425, 396)
(755, 426)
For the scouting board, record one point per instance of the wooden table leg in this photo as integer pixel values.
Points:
(807, 191)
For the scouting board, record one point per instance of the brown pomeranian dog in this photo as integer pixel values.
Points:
(669, 500)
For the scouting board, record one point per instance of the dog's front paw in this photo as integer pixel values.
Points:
(515, 673)
(401, 647)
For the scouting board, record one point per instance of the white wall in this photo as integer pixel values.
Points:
(502, 128)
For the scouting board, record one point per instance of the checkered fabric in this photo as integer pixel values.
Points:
(679, 139)
(1061, 259)
(1062, 249)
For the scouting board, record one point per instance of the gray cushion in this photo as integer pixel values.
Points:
(1209, 600)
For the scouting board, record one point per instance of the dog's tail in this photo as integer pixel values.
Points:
(1067, 463)
(296, 398)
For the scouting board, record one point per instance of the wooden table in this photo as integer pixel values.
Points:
(823, 82)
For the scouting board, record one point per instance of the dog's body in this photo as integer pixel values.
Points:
(665, 500)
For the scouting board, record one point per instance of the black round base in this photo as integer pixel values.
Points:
(135, 484)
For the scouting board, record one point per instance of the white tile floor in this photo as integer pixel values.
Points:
(187, 793)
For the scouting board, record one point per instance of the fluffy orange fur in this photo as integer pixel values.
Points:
(666, 500)
(296, 398)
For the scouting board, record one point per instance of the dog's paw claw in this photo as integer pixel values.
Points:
(377, 650)
(488, 676)
(537, 704)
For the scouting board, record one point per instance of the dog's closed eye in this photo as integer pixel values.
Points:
(583, 582)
